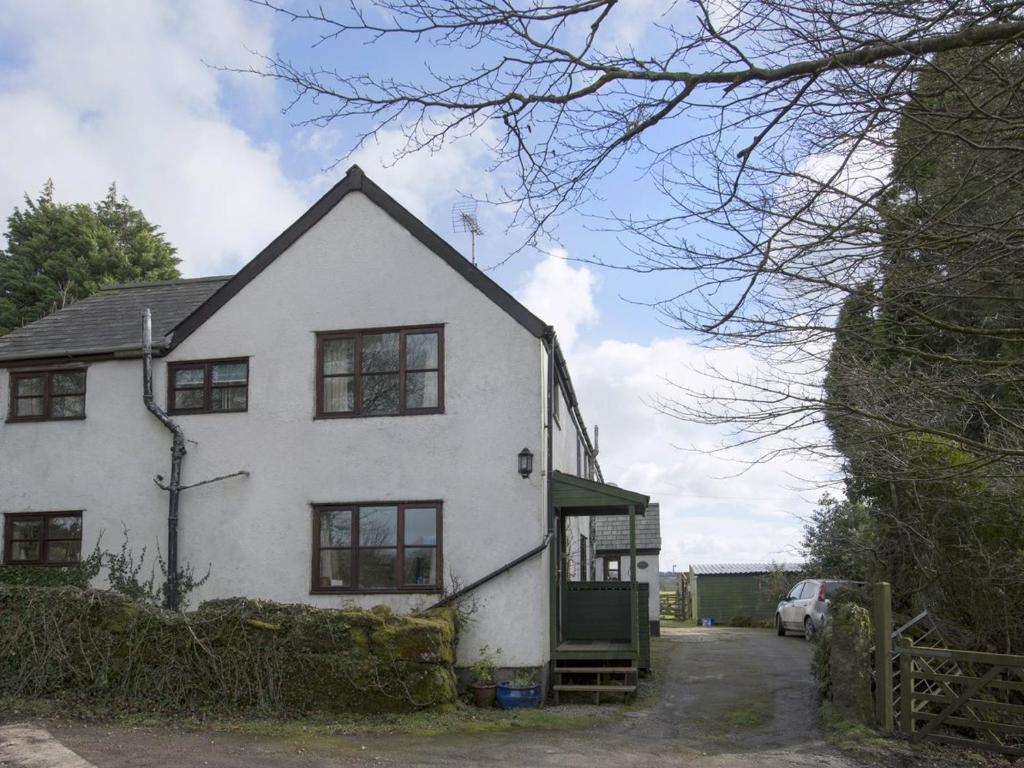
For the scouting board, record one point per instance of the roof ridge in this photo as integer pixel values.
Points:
(158, 283)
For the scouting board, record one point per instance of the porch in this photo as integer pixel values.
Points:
(602, 624)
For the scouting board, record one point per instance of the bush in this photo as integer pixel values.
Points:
(106, 652)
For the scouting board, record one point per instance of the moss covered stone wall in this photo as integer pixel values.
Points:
(106, 652)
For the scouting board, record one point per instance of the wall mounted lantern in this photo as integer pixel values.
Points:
(525, 463)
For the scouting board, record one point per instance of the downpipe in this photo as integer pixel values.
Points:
(177, 458)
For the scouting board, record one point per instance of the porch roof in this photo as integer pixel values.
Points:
(588, 497)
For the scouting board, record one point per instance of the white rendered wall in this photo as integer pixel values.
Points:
(648, 575)
(356, 268)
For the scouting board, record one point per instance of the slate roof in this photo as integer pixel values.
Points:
(611, 532)
(724, 569)
(110, 321)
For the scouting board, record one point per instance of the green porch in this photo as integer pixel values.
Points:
(600, 622)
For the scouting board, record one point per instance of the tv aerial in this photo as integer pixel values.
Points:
(464, 219)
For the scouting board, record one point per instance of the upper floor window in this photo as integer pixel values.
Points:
(381, 372)
(377, 547)
(208, 386)
(45, 395)
(42, 538)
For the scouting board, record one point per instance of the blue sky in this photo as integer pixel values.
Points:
(118, 91)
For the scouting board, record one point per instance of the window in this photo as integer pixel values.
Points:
(612, 570)
(382, 372)
(377, 547)
(42, 538)
(558, 402)
(47, 395)
(583, 557)
(579, 457)
(208, 386)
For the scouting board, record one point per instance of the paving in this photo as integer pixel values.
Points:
(731, 698)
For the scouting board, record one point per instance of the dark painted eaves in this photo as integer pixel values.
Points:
(356, 181)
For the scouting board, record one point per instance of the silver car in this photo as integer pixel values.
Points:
(805, 608)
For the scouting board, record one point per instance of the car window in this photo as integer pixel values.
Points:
(810, 590)
(794, 593)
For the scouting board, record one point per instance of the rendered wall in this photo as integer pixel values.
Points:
(356, 268)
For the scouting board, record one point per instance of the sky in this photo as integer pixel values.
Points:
(121, 91)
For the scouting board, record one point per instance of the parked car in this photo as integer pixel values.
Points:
(805, 608)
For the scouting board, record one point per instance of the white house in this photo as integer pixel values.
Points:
(368, 397)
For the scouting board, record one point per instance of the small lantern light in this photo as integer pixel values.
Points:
(525, 463)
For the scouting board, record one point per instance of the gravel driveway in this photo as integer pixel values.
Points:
(732, 698)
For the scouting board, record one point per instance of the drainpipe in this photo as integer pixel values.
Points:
(550, 342)
(177, 456)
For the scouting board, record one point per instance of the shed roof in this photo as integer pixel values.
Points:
(611, 534)
(726, 569)
(109, 321)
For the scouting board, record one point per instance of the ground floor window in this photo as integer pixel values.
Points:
(42, 538)
(612, 568)
(377, 547)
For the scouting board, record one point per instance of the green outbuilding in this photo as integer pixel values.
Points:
(739, 593)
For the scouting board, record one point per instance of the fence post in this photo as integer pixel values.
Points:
(882, 620)
(906, 689)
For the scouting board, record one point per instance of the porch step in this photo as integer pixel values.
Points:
(594, 670)
(597, 688)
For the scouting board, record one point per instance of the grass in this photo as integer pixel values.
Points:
(752, 715)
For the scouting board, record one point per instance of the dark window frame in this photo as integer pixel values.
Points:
(583, 558)
(354, 547)
(608, 560)
(47, 376)
(357, 374)
(44, 541)
(208, 385)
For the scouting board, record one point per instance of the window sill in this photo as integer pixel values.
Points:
(36, 419)
(329, 416)
(351, 591)
(32, 564)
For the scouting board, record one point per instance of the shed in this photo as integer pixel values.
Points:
(734, 593)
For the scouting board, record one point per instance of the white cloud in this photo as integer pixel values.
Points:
(105, 92)
(710, 512)
(562, 295)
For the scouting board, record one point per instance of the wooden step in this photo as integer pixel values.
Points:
(594, 670)
(596, 688)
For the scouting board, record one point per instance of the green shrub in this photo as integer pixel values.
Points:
(105, 652)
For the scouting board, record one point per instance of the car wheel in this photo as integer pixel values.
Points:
(780, 630)
(808, 629)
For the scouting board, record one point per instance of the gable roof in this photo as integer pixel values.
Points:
(611, 533)
(356, 181)
(110, 321)
(731, 569)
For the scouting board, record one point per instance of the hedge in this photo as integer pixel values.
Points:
(106, 652)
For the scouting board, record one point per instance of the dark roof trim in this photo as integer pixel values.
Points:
(619, 551)
(356, 181)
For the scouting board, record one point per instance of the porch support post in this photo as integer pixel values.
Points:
(634, 633)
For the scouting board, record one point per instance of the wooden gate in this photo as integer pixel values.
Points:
(967, 698)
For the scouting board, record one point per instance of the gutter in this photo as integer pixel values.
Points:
(177, 457)
(123, 350)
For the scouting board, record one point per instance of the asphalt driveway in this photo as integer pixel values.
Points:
(732, 698)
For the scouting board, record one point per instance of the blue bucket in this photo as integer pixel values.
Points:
(518, 698)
